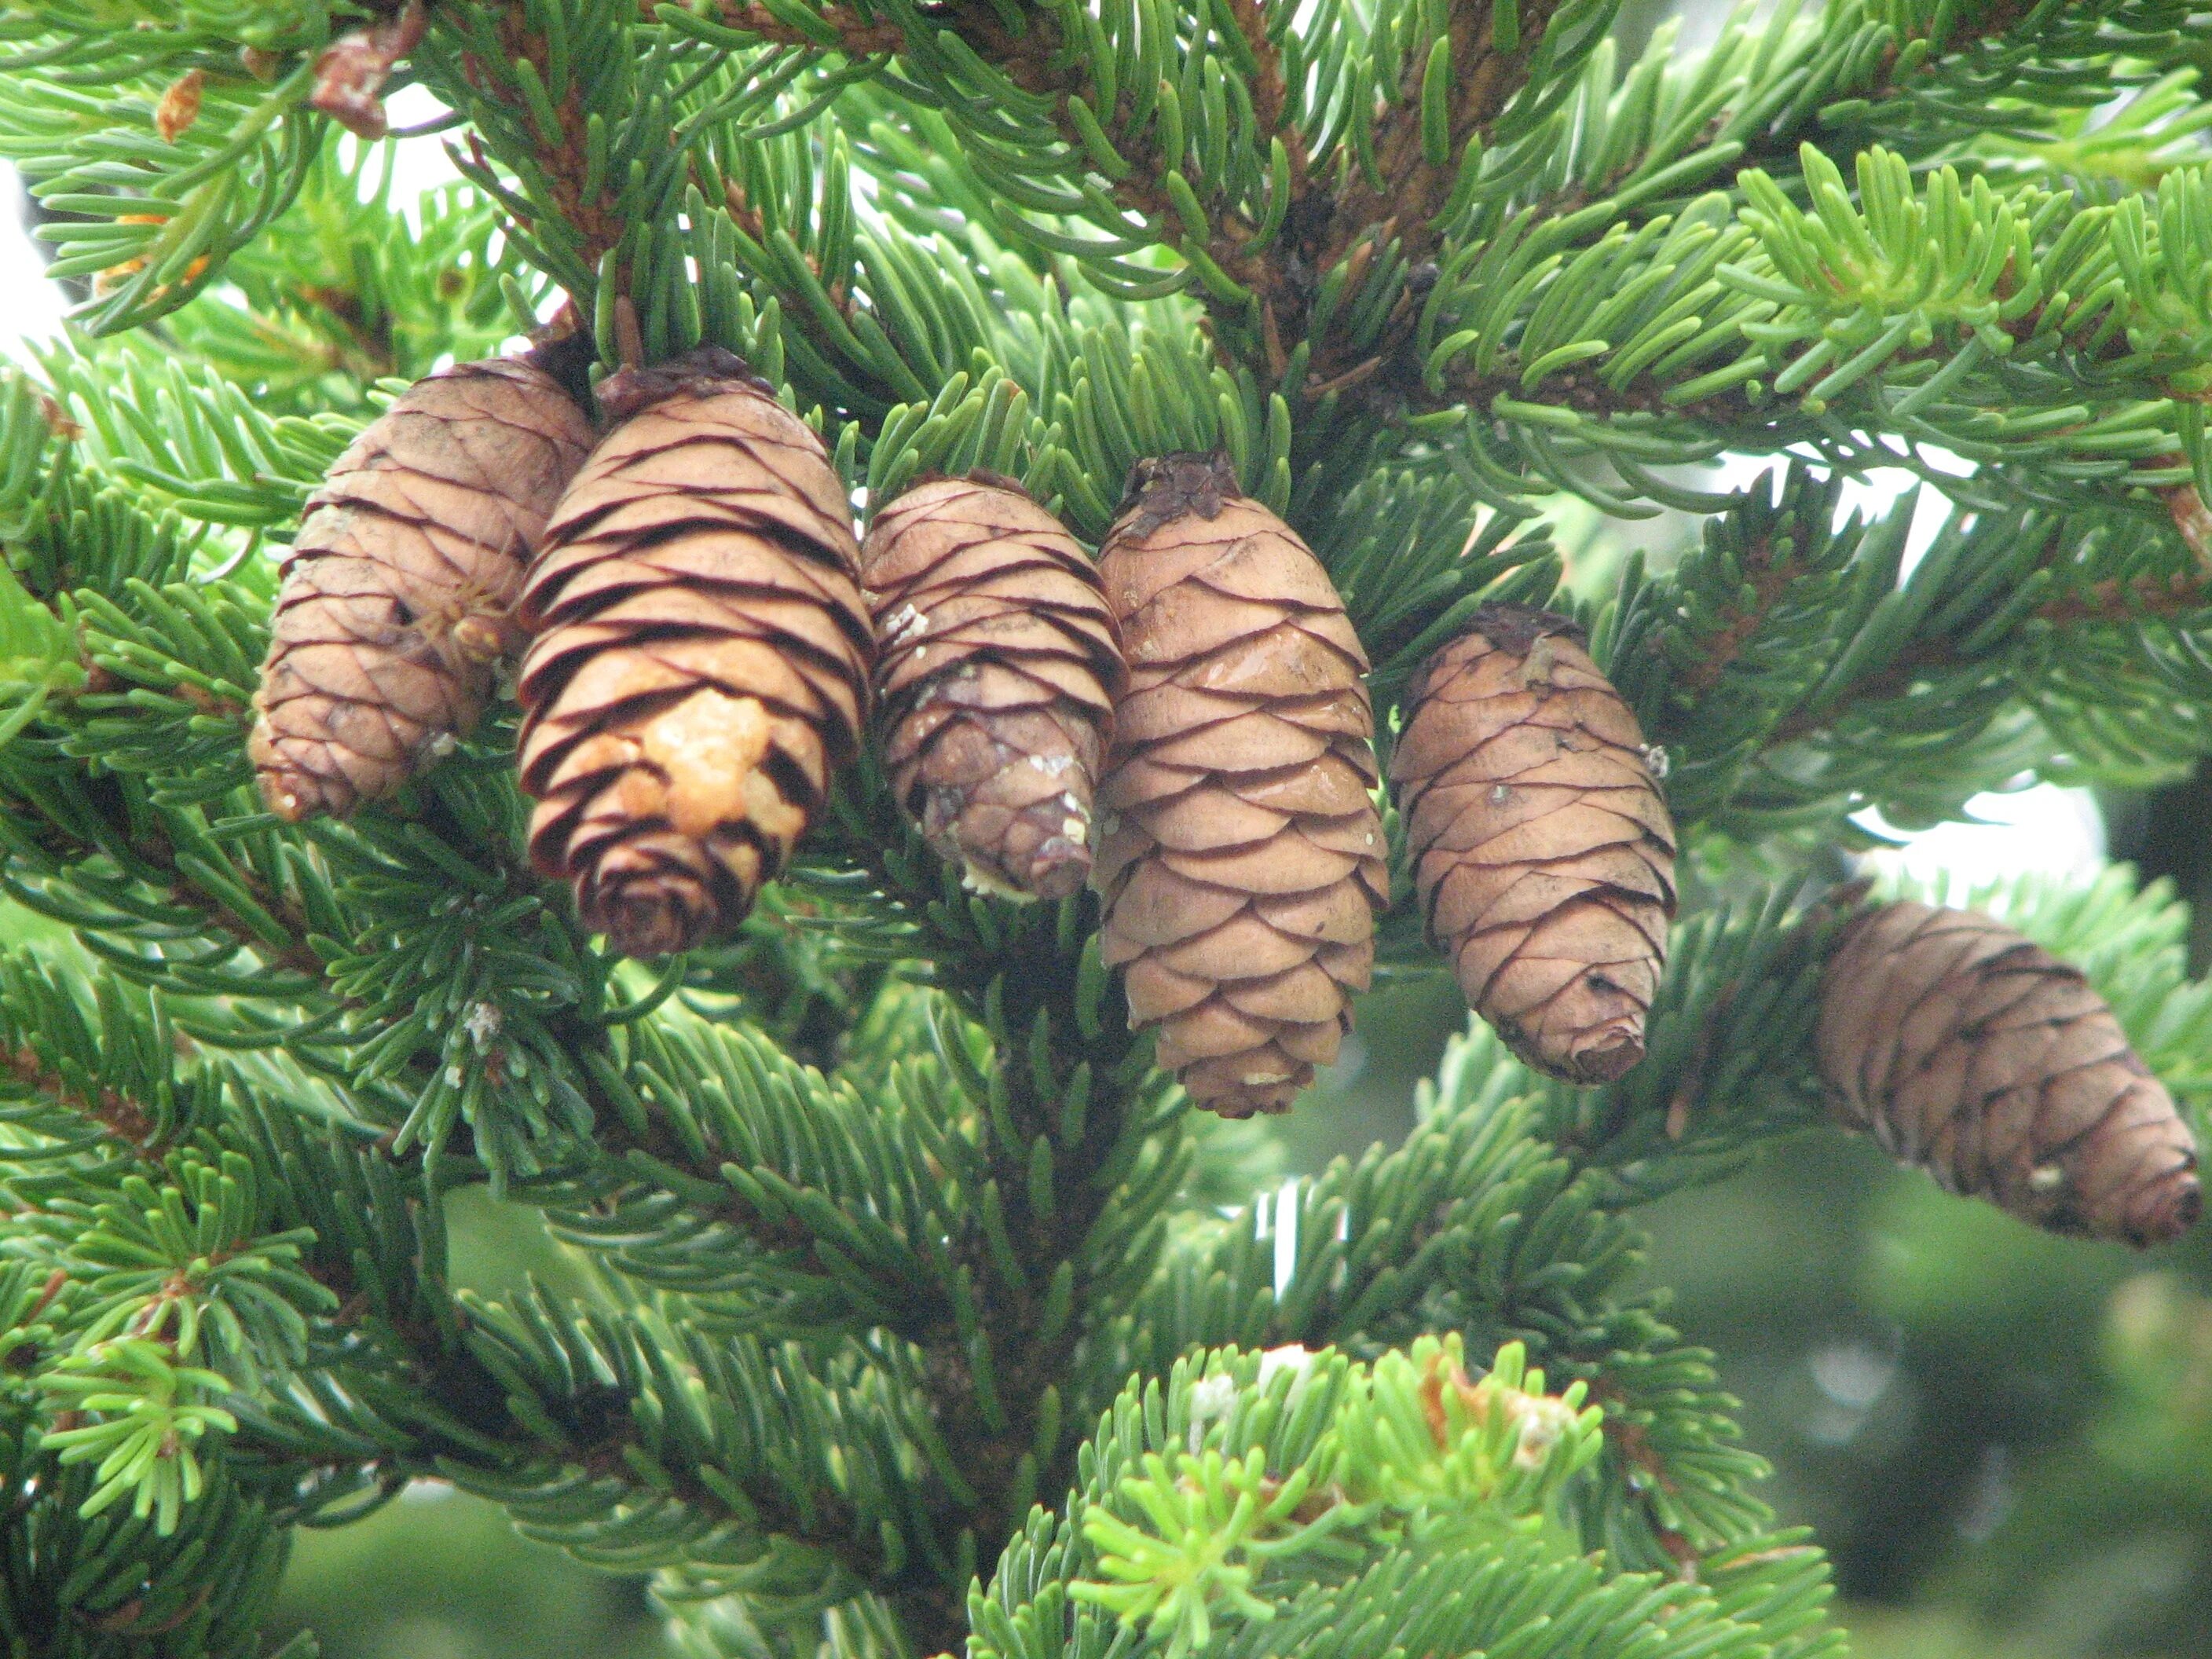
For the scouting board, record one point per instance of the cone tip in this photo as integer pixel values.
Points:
(700, 371)
(1515, 628)
(656, 913)
(1059, 870)
(1618, 1052)
(2169, 1207)
(1164, 487)
(292, 793)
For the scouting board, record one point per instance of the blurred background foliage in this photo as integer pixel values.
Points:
(2004, 1438)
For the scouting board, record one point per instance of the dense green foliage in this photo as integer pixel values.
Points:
(919, 1311)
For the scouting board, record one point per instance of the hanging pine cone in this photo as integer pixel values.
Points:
(1542, 850)
(1243, 858)
(703, 666)
(998, 669)
(1962, 1047)
(396, 601)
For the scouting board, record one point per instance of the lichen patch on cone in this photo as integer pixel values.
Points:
(1543, 852)
(998, 668)
(702, 669)
(396, 602)
(1964, 1047)
(1242, 858)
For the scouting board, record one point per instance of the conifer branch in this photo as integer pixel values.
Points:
(128, 1124)
(1402, 196)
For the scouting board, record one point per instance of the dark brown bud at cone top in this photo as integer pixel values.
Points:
(1542, 850)
(397, 600)
(998, 670)
(1962, 1047)
(703, 666)
(1242, 860)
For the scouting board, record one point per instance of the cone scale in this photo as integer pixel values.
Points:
(998, 670)
(397, 598)
(1542, 850)
(702, 668)
(1242, 859)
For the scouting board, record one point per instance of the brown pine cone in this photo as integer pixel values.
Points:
(999, 671)
(1243, 858)
(396, 601)
(1542, 850)
(1962, 1047)
(703, 664)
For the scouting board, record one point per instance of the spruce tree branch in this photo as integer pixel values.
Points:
(422, 1351)
(2107, 603)
(1401, 199)
(1006, 986)
(594, 213)
(1039, 59)
(1883, 88)
(424, 1356)
(123, 1120)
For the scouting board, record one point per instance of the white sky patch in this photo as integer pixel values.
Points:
(2043, 830)
(31, 307)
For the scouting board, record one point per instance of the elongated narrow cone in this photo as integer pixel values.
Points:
(702, 667)
(1542, 850)
(1964, 1047)
(395, 608)
(1241, 861)
(998, 670)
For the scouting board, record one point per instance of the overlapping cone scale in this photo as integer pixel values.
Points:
(996, 671)
(1964, 1047)
(396, 602)
(1242, 858)
(1543, 853)
(702, 665)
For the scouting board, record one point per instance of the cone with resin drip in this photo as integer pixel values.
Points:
(996, 671)
(702, 668)
(1242, 856)
(1543, 853)
(1964, 1047)
(395, 605)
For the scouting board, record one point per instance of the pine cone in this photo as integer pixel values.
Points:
(703, 664)
(396, 601)
(1541, 847)
(1960, 1046)
(998, 669)
(1242, 863)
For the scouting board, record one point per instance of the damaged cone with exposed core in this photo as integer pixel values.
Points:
(998, 668)
(396, 606)
(1542, 850)
(1964, 1047)
(702, 665)
(1241, 857)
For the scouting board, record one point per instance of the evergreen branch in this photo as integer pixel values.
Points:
(117, 1116)
(1928, 78)
(378, 1272)
(1785, 666)
(158, 203)
(1400, 196)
